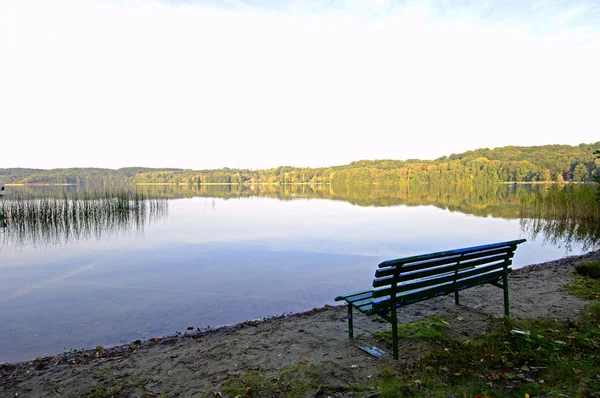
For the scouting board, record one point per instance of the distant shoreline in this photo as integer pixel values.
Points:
(20, 184)
(16, 184)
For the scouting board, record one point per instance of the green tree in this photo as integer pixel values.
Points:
(580, 173)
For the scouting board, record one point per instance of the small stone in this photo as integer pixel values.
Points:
(321, 393)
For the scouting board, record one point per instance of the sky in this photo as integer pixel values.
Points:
(257, 84)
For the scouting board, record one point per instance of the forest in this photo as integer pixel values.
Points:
(556, 163)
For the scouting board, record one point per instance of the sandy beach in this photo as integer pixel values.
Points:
(198, 362)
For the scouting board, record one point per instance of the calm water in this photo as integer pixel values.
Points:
(222, 255)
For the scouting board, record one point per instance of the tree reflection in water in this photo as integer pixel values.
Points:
(558, 214)
(563, 232)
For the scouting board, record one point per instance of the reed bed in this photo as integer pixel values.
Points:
(58, 218)
(563, 215)
(578, 202)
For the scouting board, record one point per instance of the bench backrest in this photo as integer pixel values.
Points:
(433, 274)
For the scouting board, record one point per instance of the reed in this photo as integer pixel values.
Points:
(559, 202)
(563, 215)
(57, 218)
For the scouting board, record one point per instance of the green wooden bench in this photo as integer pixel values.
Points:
(409, 280)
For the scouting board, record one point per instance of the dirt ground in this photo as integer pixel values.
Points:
(196, 363)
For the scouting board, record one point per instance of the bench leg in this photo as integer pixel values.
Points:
(394, 333)
(350, 328)
(456, 298)
(505, 286)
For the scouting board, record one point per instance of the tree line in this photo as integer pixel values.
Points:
(506, 164)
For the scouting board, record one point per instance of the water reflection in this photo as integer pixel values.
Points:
(495, 200)
(48, 218)
(563, 232)
(57, 215)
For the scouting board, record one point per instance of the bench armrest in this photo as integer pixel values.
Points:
(350, 297)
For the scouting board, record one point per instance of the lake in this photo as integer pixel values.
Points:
(218, 255)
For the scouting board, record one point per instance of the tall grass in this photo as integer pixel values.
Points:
(563, 214)
(58, 218)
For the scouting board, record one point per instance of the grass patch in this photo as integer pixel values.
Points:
(584, 285)
(294, 381)
(539, 357)
(98, 391)
(433, 328)
(589, 268)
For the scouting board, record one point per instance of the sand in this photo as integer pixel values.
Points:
(195, 363)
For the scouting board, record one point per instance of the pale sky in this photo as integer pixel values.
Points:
(263, 83)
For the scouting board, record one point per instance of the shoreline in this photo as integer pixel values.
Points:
(202, 359)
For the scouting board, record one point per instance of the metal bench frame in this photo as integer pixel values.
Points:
(409, 280)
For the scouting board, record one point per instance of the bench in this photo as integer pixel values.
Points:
(409, 280)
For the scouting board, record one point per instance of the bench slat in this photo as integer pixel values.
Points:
(465, 251)
(366, 309)
(420, 274)
(432, 282)
(452, 260)
(410, 297)
(415, 298)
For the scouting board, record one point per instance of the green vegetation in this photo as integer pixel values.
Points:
(562, 214)
(535, 357)
(294, 381)
(586, 281)
(528, 357)
(433, 328)
(584, 288)
(114, 383)
(589, 268)
(507, 164)
(98, 391)
(563, 202)
(73, 176)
